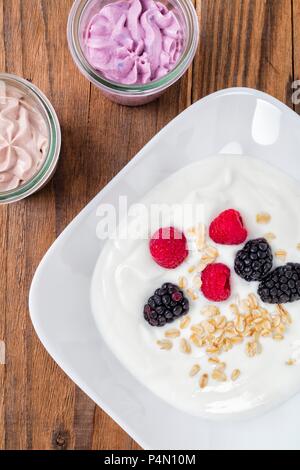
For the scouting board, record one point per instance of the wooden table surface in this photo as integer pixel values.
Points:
(253, 43)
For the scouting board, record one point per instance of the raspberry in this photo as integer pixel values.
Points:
(228, 228)
(166, 305)
(168, 247)
(216, 282)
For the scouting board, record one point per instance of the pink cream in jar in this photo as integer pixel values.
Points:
(30, 139)
(133, 50)
(134, 41)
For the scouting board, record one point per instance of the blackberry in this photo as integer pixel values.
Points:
(166, 305)
(281, 285)
(254, 261)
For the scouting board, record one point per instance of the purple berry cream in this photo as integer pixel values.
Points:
(134, 41)
(133, 50)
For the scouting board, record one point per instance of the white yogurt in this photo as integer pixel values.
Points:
(125, 276)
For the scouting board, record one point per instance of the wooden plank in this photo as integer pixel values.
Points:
(53, 425)
(245, 43)
(14, 261)
(3, 242)
(38, 397)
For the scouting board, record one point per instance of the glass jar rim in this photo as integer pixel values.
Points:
(53, 152)
(77, 11)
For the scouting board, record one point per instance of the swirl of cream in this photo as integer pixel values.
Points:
(23, 138)
(134, 41)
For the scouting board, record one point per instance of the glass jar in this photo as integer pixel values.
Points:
(38, 102)
(132, 95)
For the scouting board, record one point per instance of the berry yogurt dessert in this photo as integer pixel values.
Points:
(203, 309)
(133, 50)
(134, 41)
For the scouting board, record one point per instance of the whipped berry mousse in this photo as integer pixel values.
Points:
(134, 41)
(204, 310)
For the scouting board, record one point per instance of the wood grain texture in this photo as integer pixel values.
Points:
(245, 43)
(252, 43)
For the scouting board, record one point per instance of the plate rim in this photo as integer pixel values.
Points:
(48, 343)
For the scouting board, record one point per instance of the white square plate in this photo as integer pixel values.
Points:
(235, 121)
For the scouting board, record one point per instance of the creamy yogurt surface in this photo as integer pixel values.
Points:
(126, 276)
(134, 41)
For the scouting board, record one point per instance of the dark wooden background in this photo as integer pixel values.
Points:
(254, 43)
